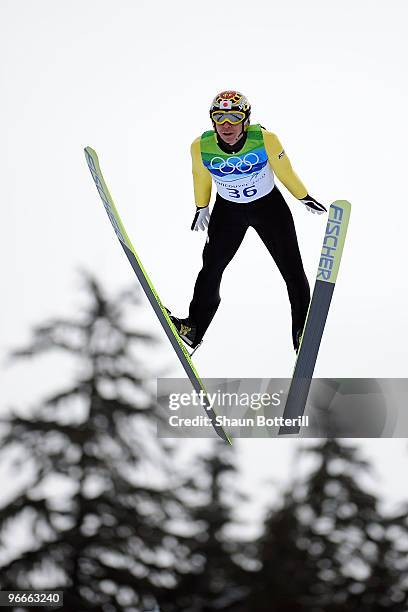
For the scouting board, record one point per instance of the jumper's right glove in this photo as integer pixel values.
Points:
(201, 219)
(312, 205)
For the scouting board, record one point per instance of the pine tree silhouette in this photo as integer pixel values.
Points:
(106, 542)
(214, 579)
(325, 550)
(347, 530)
(287, 571)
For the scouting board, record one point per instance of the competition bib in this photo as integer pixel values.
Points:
(241, 177)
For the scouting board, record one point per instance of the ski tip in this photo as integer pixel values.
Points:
(90, 151)
(345, 204)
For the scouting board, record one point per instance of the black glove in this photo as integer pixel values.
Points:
(312, 205)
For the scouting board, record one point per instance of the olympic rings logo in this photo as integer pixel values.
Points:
(243, 164)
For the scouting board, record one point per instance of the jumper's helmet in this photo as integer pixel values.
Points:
(231, 106)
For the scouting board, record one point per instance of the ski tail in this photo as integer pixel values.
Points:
(329, 263)
(148, 288)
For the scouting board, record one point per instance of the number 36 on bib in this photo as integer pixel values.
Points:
(247, 192)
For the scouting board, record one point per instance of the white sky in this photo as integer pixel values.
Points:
(134, 80)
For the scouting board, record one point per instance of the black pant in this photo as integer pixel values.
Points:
(272, 220)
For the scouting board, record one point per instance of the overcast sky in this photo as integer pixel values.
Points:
(134, 80)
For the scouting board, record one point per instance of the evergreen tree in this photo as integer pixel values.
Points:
(325, 549)
(106, 540)
(384, 589)
(347, 530)
(287, 572)
(214, 579)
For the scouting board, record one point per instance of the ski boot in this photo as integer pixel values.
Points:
(297, 339)
(186, 330)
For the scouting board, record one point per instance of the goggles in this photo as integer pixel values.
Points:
(234, 117)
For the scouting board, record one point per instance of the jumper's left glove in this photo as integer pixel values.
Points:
(312, 205)
(201, 219)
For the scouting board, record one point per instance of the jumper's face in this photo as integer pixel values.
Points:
(228, 132)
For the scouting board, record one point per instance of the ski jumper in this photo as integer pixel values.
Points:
(247, 196)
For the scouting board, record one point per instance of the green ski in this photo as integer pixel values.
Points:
(159, 309)
(329, 264)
